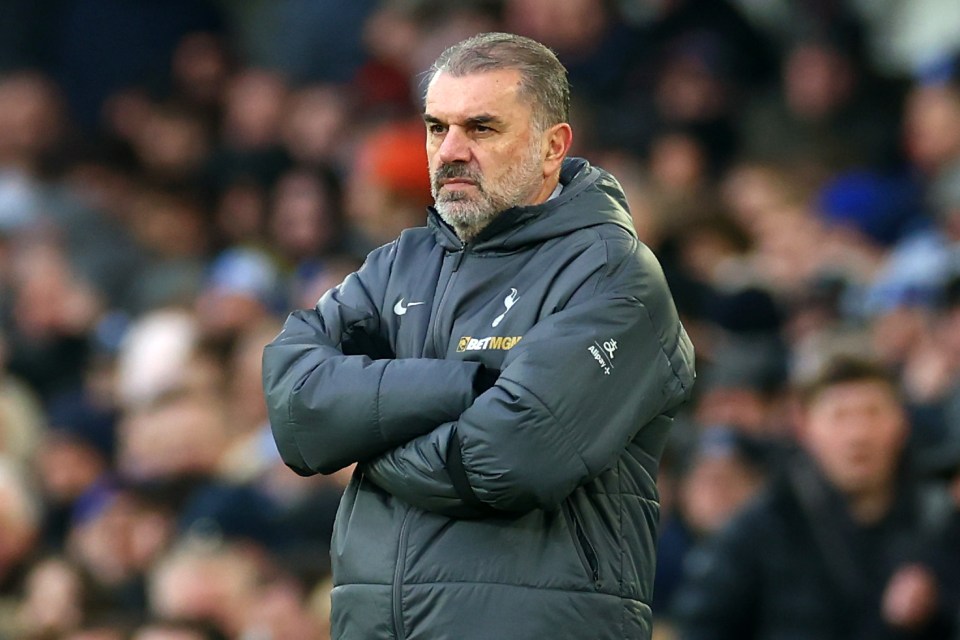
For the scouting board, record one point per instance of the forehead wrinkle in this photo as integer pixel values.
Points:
(502, 86)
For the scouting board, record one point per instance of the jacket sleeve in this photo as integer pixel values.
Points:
(335, 393)
(573, 392)
(416, 472)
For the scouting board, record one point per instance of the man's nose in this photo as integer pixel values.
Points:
(455, 146)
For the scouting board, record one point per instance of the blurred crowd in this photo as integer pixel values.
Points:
(176, 175)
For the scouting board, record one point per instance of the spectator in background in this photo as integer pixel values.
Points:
(200, 68)
(54, 311)
(176, 445)
(306, 222)
(826, 116)
(170, 229)
(742, 389)
(21, 416)
(248, 454)
(400, 39)
(725, 472)
(75, 458)
(105, 45)
(722, 474)
(32, 125)
(153, 357)
(172, 145)
(20, 521)
(239, 216)
(54, 600)
(931, 126)
(920, 263)
(176, 630)
(241, 290)
(115, 534)
(309, 40)
(940, 462)
(389, 187)
(842, 530)
(313, 126)
(249, 137)
(206, 582)
(232, 589)
(907, 35)
(931, 371)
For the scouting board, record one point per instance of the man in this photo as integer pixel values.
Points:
(842, 547)
(505, 379)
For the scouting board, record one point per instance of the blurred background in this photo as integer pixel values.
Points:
(176, 175)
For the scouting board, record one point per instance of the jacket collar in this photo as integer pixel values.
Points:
(590, 197)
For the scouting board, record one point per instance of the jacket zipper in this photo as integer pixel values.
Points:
(457, 260)
(588, 555)
(398, 629)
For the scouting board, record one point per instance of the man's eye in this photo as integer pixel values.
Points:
(436, 129)
(482, 129)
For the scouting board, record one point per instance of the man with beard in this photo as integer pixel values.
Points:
(504, 378)
(844, 544)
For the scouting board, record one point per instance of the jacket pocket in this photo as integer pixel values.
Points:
(585, 549)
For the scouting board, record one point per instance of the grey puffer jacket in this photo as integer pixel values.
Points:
(507, 402)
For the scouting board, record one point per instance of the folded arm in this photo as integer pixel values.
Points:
(336, 395)
(573, 392)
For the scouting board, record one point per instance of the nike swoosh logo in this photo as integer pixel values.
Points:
(400, 309)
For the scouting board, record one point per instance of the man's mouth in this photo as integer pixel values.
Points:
(457, 182)
(456, 177)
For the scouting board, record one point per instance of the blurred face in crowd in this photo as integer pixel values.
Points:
(68, 466)
(179, 436)
(737, 405)
(53, 600)
(817, 80)
(120, 539)
(217, 585)
(716, 487)
(931, 126)
(171, 633)
(856, 431)
(31, 117)
(314, 121)
(255, 101)
(573, 25)
(485, 151)
(171, 144)
(302, 220)
(200, 67)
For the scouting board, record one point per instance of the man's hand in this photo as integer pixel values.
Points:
(910, 599)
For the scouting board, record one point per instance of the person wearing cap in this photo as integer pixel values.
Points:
(505, 379)
(839, 546)
(240, 291)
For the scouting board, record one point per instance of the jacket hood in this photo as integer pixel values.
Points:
(590, 197)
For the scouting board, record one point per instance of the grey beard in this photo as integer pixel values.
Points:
(467, 218)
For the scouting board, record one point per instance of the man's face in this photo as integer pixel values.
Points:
(484, 150)
(931, 126)
(856, 431)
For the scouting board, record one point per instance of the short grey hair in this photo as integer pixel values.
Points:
(543, 80)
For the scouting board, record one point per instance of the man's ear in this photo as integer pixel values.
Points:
(558, 139)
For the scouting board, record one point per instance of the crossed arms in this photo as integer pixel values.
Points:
(434, 434)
